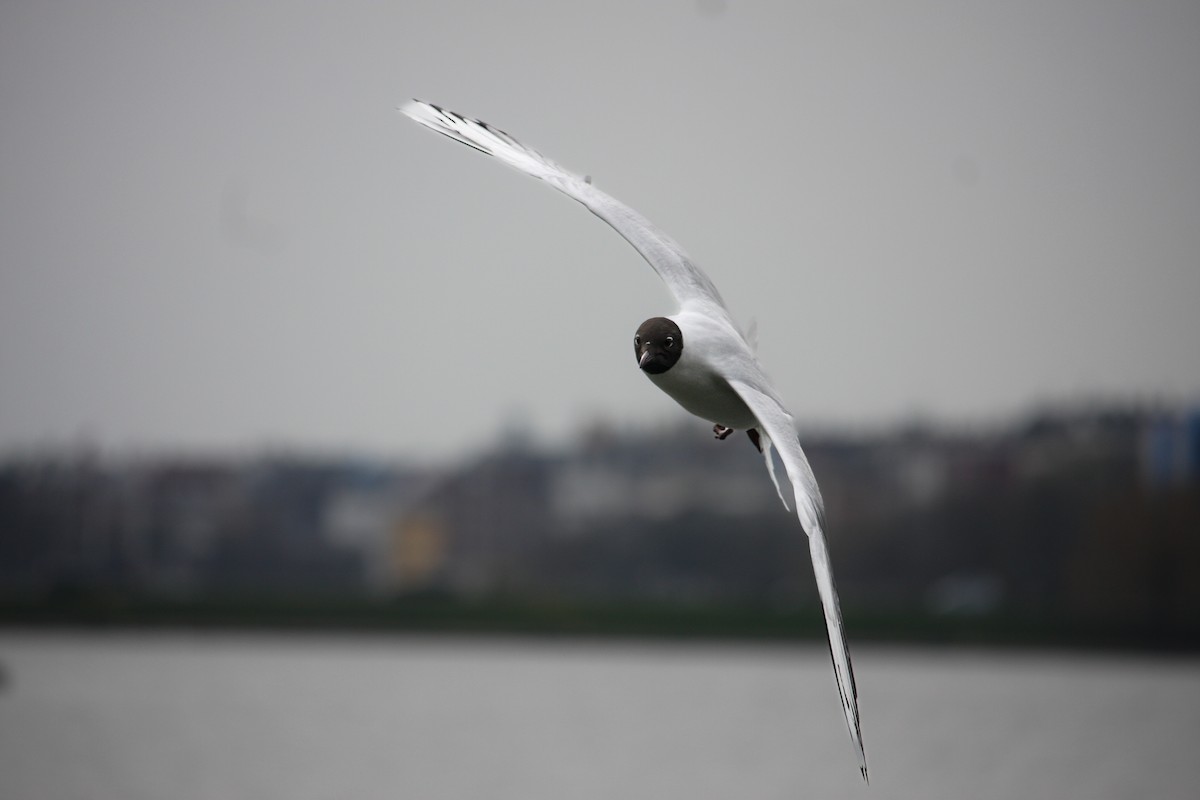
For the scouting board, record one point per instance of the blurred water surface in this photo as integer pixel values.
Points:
(239, 716)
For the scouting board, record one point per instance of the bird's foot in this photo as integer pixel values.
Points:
(721, 431)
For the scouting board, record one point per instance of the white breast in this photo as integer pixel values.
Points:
(697, 380)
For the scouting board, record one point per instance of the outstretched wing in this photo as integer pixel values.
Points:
(777, 424)
(690, 286)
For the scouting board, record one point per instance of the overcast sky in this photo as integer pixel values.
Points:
(216, 232)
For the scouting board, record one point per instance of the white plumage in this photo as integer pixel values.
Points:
(717, 377)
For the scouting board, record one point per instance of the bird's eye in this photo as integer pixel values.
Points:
(637, 341)
(670, 341)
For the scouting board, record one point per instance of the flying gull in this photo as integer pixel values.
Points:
(698, 356)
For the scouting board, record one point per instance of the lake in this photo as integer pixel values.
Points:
(200, 716)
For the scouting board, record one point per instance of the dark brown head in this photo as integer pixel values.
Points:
(657, 345)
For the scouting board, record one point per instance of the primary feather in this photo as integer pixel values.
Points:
(690, 286)
(777, 424)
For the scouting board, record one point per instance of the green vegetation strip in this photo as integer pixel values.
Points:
(558, 617)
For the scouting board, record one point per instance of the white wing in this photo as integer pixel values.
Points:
(777, 424)
(690, 286)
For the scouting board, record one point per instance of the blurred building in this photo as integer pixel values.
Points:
(1089, 514)
(1171, 449)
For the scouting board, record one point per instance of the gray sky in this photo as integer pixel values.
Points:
(217, 232)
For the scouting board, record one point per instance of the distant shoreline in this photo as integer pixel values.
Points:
(552, 618)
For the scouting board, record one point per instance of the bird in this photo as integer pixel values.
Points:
(698, 356)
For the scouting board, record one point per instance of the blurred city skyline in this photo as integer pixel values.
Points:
(1073, 527)
(217, 234)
